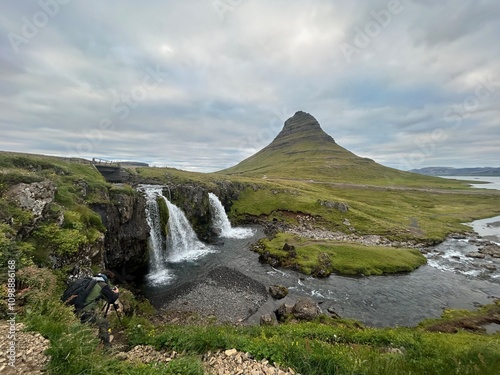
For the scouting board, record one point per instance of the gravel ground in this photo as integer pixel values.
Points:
(28, 348)
(226, 294)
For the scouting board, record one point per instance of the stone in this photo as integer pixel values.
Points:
(340, 206)
(278, 291)
(324, 267)
(306, 309)
(333, 313)
(491, 249)
(283, 312)
(476, 255)
(267, 320)
(121, 356)
(231, 352)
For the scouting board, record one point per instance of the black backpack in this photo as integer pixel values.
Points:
(78, 291)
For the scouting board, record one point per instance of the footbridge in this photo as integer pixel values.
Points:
(111, 170)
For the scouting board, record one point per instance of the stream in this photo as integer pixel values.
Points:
(450, 280)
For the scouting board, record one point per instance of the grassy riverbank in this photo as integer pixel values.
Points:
(344, 258)
(325, 346)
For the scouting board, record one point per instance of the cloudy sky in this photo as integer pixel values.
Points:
(202, 84)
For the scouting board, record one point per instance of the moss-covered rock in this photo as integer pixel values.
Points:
(164, 215)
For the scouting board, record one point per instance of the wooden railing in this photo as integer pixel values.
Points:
(105, 162)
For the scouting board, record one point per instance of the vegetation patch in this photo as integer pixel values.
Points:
(164, 214)
(321, 258)
(78, 185)
(453, 321)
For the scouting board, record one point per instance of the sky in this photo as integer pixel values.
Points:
(202, 84)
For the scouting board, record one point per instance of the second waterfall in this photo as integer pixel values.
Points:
(221, 223)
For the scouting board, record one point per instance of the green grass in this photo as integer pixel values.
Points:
(397, 214)
(325, 346)
(330, 348)
(343, 258)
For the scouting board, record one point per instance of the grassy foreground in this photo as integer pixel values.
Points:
(326, 346)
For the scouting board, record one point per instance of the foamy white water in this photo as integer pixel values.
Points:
(221, 222)
(159, 274)
(182, 242)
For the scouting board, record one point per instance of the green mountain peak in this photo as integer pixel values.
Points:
(303, 151)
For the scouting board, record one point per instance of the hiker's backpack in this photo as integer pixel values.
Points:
(78, 291)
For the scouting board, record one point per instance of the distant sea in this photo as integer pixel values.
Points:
(494, 182)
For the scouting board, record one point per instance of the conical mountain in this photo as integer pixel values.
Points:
(302, 150)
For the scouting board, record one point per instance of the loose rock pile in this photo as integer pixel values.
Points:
(29, 351)
(220, 363)
(369, 240)
(233, 362)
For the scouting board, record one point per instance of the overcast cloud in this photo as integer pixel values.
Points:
(202, 84)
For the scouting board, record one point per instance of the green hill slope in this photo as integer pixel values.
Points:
(302, 150)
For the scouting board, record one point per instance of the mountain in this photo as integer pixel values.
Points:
(302, 150)
(449, 171)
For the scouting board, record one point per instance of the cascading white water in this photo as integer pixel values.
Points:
(159, 273)
(182, 242)
(221, 222)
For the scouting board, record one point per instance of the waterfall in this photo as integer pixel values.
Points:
(182, 242)
(159, 273)
(221, 222)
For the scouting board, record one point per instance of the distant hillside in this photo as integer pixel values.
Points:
(302, 150)
(449, 171)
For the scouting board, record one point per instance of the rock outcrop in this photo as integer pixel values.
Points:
(303, 309)
(126, 239)
(34, 198)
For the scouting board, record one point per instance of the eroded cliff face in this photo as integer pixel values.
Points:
(126, 238)
(36, 226)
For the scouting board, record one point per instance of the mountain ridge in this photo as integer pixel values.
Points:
(451, 171)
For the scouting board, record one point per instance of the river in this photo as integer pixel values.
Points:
(449, 280)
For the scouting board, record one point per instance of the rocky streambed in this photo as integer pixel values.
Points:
(475, 255)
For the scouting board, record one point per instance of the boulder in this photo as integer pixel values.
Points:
(283, 312)
(324, 267)
(340, 206)
(267, 320)
(278, 291)
(306, 309)
(268, 258)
